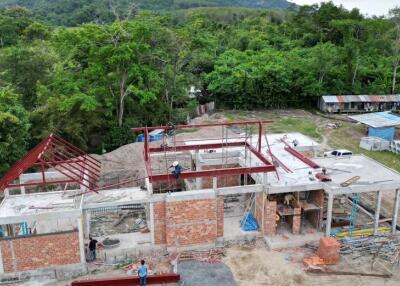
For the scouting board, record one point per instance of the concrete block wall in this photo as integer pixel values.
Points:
(316, 217)
(223, 181)
(42, 251)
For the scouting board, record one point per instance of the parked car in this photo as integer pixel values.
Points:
(340, 153)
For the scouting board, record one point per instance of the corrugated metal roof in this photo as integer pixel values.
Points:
(360, 98)
(378, 119)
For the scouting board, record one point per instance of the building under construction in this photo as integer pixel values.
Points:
(197, 193)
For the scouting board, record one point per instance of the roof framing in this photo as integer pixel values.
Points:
(54, 152)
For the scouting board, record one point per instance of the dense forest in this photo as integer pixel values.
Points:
(75, 12)
(92, 82)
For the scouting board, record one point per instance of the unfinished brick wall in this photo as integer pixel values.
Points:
(315, 217)
(270, 214)
(159, 223)
(296, 221)
(223, 181)
(34, 252)
(192, 222)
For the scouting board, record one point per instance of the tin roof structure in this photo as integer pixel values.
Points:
(360, 98)
(377, 119)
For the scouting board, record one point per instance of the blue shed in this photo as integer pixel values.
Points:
(154, 135)
(387, 133)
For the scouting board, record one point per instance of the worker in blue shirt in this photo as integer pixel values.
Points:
(142, 273)
(177, 169)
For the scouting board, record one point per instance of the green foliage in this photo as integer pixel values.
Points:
(14, 128)
(122, 66)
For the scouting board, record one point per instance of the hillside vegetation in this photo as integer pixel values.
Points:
(74, 12)
(91, 83)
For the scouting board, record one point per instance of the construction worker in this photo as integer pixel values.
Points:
(92, 248)
(142, 273)
(177, 169)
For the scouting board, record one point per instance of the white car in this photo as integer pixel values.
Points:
(340, 153)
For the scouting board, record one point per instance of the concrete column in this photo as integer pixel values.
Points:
(88, 215)
(395, 211)
(81, 242)
(1, 263)
(265, 178)
(149, 186)
(153, 238)
(377, 211)
(199, 181)
(21, 181)
(329, 215)
(215, 183)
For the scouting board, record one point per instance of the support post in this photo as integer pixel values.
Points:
(152, 228)
(395, 211)
(22, 188)
(329, 215)
(6, 193)
(81, 243)
(87, 220)
(199, 181)
(377, 211)
(215, 183)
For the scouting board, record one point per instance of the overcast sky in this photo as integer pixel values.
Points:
(370, 7)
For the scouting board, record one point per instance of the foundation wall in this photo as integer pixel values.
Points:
(35, 252)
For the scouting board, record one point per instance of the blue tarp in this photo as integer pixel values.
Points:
(152, 137)
(249, 222)
(387, 133)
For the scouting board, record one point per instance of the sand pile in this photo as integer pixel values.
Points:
(259, 267)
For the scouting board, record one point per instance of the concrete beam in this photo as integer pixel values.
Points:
(329, 215)
(191, 195)
(395, 211)
(377, 211)
(258, 188)
(40, 216)
(385, 187)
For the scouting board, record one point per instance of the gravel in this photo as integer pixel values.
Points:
(196, 273)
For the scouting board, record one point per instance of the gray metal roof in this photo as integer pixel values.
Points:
(378, 119)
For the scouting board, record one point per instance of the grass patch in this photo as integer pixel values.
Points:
(303, 125)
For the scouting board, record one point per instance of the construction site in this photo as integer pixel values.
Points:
(214, 202)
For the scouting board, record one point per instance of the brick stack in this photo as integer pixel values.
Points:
(329, 250)
(270, 214)
(296, 221)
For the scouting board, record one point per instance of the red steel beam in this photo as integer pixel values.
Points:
(197, 147)
(129, 281)
(258, 154)
(141, 129)
(214, 173)
(301, 157)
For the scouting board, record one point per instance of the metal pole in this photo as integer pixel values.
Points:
(395, 211)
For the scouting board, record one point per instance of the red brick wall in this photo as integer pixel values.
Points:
(40, 251)
(223, 181)
(220, 217)
(258, 211)
(270, 213)
(193, 222)
(315, 217)
(296, 221)
(159, 223)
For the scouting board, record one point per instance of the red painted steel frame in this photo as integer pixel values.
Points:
(129, 281)
(268, 167)
(55, 152)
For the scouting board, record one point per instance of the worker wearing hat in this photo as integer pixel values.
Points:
(177, 169)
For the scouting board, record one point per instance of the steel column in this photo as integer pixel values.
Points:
(377, 211)
(329, 215)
